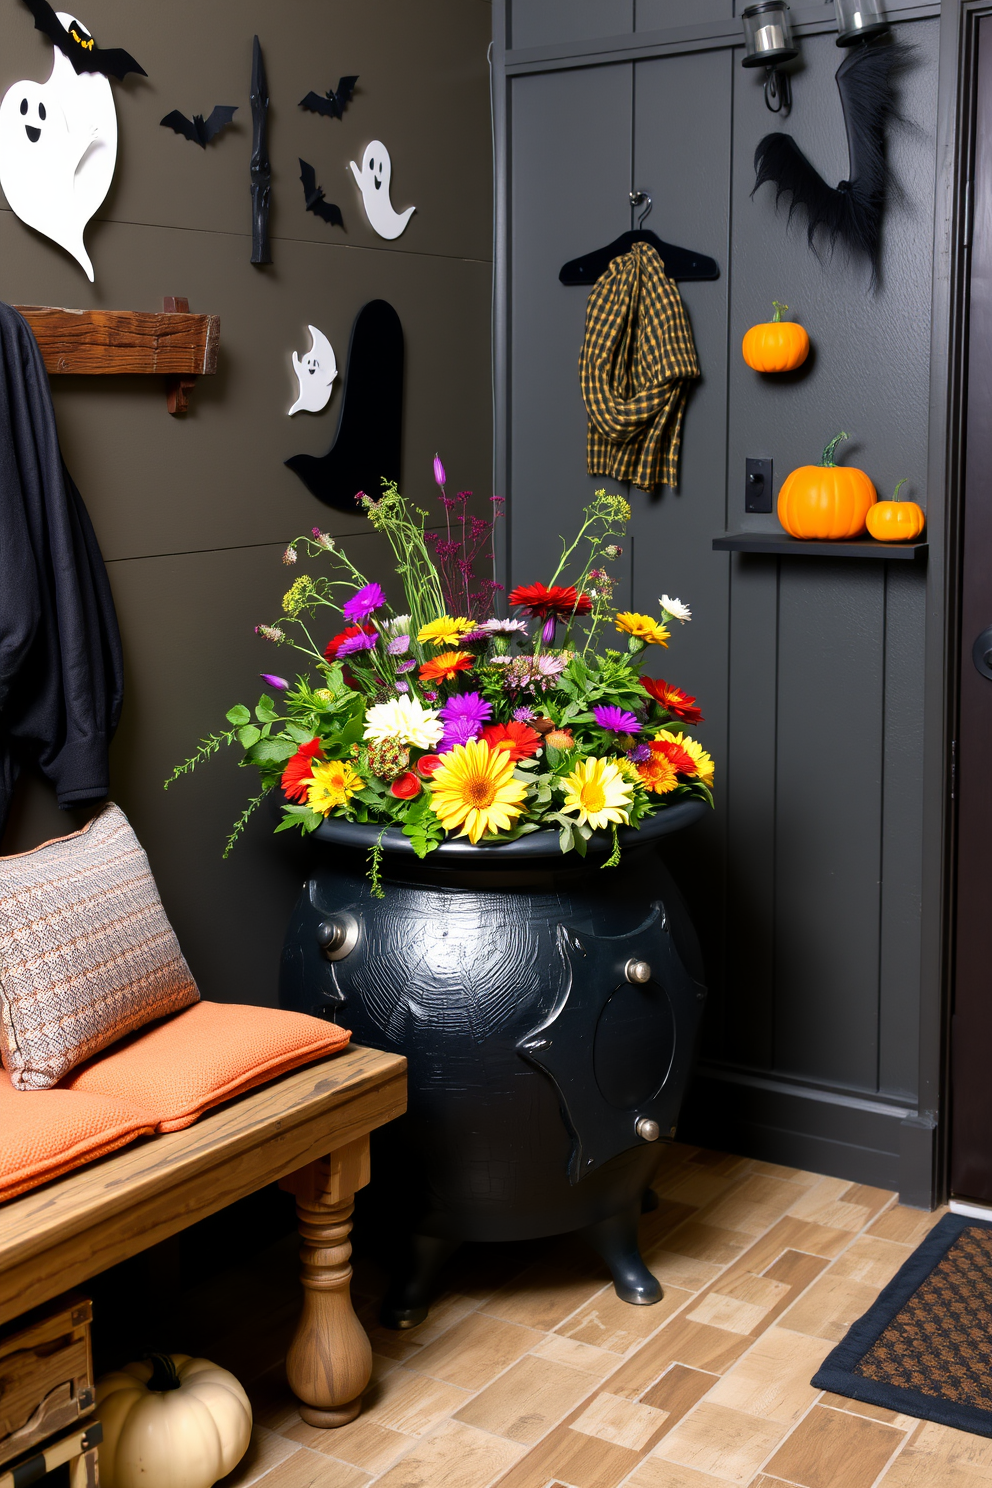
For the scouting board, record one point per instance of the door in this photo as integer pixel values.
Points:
(971, 1024)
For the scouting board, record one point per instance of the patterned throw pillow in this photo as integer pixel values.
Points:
(86, 952)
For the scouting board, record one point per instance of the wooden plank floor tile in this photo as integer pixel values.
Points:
(829, 1449)
(655, 1472)
(307, 1469)
(696, 1187)
(454, 1454)
(528, 1399)
(708, 1242)
(626, 1423)
(474, 1351)
(823, 1204)
(594, 1361)
(545, 1294)
(873, 1412)
(265, 1451)
(909, 1226)
(688, 1272)
(872, 1260)
(741, 1305)
(407, 1402)
(608, 1323)
(830, 1306)
(678, 1390)
(697, 1345)
(729, 1444)
(361, 1443)
(571, 1457)
(773, 1378)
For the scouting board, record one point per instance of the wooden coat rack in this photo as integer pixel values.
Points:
(172, 342)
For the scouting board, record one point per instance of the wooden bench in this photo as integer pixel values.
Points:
(308, 1129)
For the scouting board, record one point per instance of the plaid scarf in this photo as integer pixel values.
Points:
(634, 370)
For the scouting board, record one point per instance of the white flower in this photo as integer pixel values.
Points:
(504, 627)
(676, 609)
(398, 626)
(404, 720)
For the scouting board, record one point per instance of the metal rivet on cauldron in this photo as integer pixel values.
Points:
(647, 1129)
(337, 938)
(637, 971)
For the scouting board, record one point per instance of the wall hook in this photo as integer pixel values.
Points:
(636, 200)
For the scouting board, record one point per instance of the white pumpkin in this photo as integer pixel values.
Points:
(171, 1422)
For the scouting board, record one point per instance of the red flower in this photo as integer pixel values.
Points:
(560, 600)
(406, 786)
(678, 703)
(331, 649)
(442, 668)
(519, 740)
(428, 763)
(675, 754)
(298, 774)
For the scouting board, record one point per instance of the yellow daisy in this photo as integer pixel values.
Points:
(475, 790)
(597, 790)
(445, 632)
(333, 784)
(705, 766)
(643, 627)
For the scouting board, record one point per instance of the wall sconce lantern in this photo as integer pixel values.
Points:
(857, 20)
(768, 42)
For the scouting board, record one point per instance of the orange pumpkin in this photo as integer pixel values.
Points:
(826, 501)
(895, 520)
(776, 346)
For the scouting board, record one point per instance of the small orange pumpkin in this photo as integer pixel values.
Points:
(777, 345)
(827, 501)
(895, 520)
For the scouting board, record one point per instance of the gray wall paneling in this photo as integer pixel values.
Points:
(192, 514)
(808, 882)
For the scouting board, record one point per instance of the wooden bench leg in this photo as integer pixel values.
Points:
(330, 1358)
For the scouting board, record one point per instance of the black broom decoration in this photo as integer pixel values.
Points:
(852, 211)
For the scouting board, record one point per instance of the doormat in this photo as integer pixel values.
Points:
(925, 1347)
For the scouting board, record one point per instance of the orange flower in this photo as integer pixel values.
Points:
(442, 668)
(678, 703)
(517, 739)
(297, 777)
(680, 758)
(658, 774)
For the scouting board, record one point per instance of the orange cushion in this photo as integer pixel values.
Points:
(206, 1054)
(44, 1133)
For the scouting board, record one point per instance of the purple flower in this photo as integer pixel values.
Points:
(361, 605)
(523, 715)
(357, 643)
(504, 627)
(397, 646)
(405, 687)
(616, 720)
(639, 753)
(439, 475)
(279, 683)
(431, 697)
(466, 708)
(458, 731)
(405, 666)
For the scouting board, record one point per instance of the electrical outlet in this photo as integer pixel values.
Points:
(757, 485)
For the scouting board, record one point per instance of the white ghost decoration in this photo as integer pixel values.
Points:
(58, 150)
(373, 183)
(316, 373)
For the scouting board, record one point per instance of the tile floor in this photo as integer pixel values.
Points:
(529, 1373)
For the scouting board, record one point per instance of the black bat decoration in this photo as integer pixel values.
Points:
(201, 131)
(315, 197)
(851, 211)
(332, 105)
(77, 44)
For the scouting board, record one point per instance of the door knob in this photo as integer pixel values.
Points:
(981, 653)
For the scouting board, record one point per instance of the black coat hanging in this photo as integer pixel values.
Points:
(851, 211)
(680, 263)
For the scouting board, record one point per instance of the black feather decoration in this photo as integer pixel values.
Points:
(851, 211)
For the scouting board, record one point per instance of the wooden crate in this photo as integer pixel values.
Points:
(46, 1374)
(77, 1448)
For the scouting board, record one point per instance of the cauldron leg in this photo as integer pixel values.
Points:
(616, 1241)
(411, 1290)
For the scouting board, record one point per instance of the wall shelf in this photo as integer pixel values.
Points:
(782, 545)
(115, 342)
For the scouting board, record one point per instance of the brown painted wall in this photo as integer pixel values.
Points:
(192, 514)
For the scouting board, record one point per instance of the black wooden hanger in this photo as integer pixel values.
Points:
(680, 263)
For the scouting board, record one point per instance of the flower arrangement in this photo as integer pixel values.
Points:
(447, 720)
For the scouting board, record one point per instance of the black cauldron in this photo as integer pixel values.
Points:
(549, 1010)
